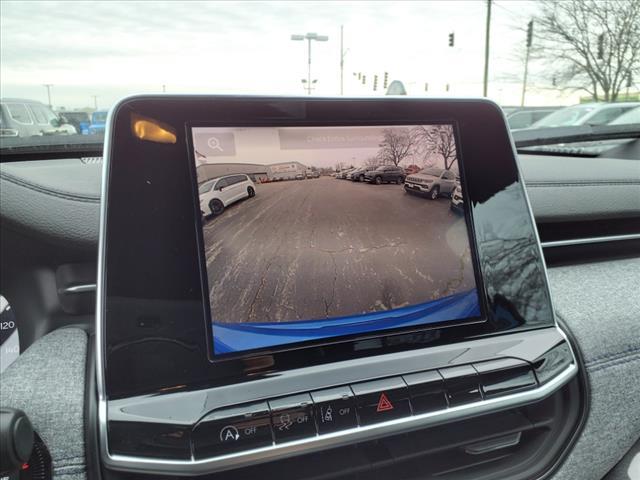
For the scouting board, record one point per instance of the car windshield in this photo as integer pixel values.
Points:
(522, 55)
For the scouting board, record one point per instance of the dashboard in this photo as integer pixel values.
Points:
(252, 322)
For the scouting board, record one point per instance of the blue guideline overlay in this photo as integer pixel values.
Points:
(237, 337)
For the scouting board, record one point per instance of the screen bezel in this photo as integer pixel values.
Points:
(220, 357)
(152, 337)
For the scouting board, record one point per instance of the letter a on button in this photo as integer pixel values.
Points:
(384, 404)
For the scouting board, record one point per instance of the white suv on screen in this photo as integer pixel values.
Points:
(218, 193)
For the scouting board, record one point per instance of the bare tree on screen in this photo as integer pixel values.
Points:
(439, 140)
(396, 145)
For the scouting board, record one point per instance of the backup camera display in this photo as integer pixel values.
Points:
(315, 233)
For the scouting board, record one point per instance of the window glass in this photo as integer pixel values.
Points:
(19, 112)
(205, 187)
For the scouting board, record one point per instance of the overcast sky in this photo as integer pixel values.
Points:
(112, 49)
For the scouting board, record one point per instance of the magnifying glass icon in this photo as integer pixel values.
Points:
(214, 144)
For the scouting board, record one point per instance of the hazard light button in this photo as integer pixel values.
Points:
(382, 400)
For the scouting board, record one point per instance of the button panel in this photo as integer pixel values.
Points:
(382, 400)
(321, 412)
(427, 392)
(501, 377)
(462, 385)
(292, 417)
(335, 409)
(232, 429)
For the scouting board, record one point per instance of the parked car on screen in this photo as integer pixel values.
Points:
(98, 122)
(431, 182)
(585, 114)
(218, 193)
(343, 174)
(358, 175)
(29, 118)
(411, 169)
(457, 200)
(385, 174)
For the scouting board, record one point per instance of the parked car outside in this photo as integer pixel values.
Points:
(300, 176)
(457, 200)
(629, 117)
(385, 174)
(527, 117)
(431, 182)
(79, 120)
(585, 114)
(29, 118)
(218, 193)
(98, 122)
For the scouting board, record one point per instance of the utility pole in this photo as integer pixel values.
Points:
(485, 84)
(526, 61)
(95, 101)
(48, 87)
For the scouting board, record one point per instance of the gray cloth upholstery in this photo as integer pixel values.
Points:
(600, 305)
(47, 382)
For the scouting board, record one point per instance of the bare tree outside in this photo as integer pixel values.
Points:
(592, 45)
(438, 140)
(396, 146)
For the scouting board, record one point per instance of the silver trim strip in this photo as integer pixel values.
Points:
(83, 288)
(346, 437)
(590, 240)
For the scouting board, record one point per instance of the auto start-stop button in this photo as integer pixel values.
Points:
(232, 429)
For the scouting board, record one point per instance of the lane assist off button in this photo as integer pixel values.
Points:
(335, 409)
(232, 429)
(292, 417)
(382, 400)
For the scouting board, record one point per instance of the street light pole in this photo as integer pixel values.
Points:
(485, 83)
(95, 101)
(308, 37)
(48, 87)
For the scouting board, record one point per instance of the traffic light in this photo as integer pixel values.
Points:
(452, 39)
(375, 83)
(600, 46)
(529, 33)
(364, 79)
(426, 87)
(359, 76)
(385, 82)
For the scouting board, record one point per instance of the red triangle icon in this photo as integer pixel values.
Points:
(384, 404)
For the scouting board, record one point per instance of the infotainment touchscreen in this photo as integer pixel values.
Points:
(313, 233)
